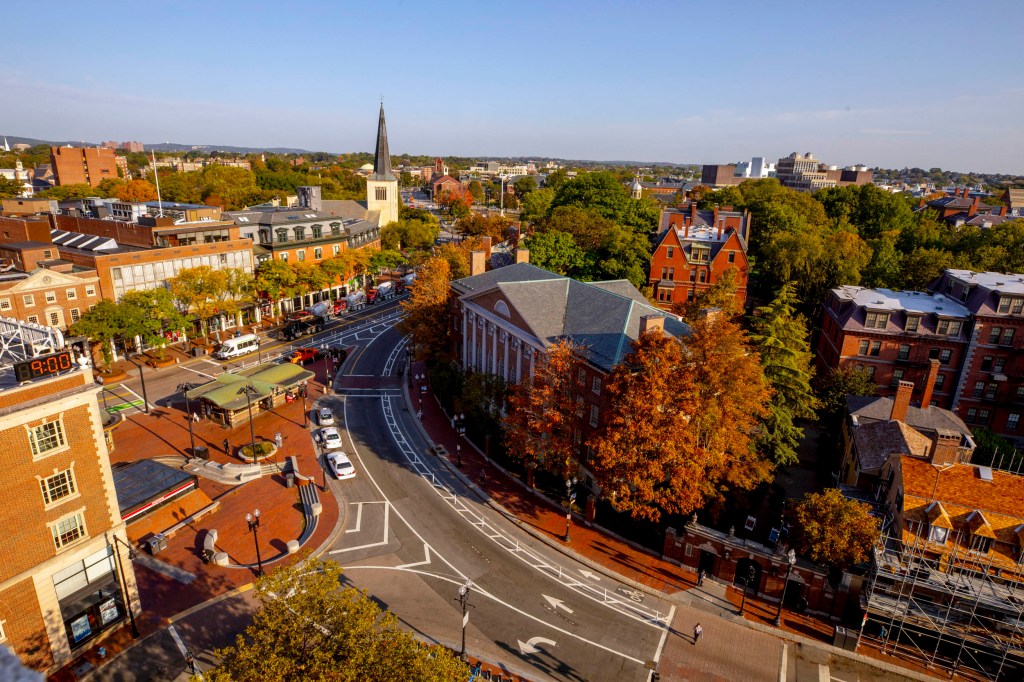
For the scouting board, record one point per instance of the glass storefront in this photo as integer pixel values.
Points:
(89, 594)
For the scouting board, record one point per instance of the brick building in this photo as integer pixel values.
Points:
(718, 176)
(693, 250)
(991, 388)
(806, 173)
(77, 165)
(504, 319)
(61, 580)
(961, 208)
(894, 334)
(444, 183)
(50, 297)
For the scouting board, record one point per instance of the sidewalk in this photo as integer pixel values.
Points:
(605, 552)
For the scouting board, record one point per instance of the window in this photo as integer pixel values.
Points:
(949, 327)
(877, 320)
(994, 334)
(318, 253)
(596, 386)
(300, 234)
(945, 355)
(54, 319)
(897, 376)
(670, 252)
(68, 530)
(671, 273)
(1007, 336)
(5, 304)
(381, 193)
(701, 255)
(1020, 393)
(732, 256)
(693, 275)
(595, 414)
(981, 544)
(664, 273)
(58, 486)
(581, 377)
(904, 353)
(1010, 305)
(983, 417)
(318, 231)
(703, 276)
(979, 388)
(28, 300)
(876, 348)
(51, 296)
(34, 319)
(282, 234)
(939, 535)
(301, 254)
(90, 291)
(46, 438)
(337, 249)
(940, 381)
(972, 415)
(1012, 420)
(990, 391)
(998, 365)
(335, 229)
(71, 294)
(75, 315)
(912, 324)
(986, 363)
(284, 256)
(870, 370)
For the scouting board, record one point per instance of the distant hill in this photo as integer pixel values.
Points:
(162, 146)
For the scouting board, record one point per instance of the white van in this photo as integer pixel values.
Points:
(240, 345)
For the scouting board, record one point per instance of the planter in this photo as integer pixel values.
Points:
(264, 450)
(113, 377)
(161, 362)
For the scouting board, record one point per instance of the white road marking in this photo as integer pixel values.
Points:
(177, 639)
(426, 560)
(556, 603)
(530, 645)
(785, 663)
(387, 508)
(359, 517)
(664, 635)
(127, 388)
(197, 371)
(588, 574)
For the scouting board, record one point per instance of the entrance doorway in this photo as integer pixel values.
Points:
(708, 562)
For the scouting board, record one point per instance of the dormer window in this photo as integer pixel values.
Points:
(938, 535)
(876, 320)
(1009, 305)
(981, 544)
(700, 255)
(913, 322)
(948, 327)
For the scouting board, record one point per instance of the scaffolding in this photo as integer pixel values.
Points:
(950, 611)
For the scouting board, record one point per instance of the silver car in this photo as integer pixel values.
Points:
(325, 417)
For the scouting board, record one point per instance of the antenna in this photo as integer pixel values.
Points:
(159, 201)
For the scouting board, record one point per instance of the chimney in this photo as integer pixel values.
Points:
(522, 255)
(1002, 210)
(974, 206)
(477, 263)
(650, 323)
(693, 211)
(929, 384)
(901, 401)
(721, 226)
(945, 447)
(686, 231)
(715, 219)
(485, 242)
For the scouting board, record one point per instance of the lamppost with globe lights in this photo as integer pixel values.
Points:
(570, 495)
(791, 558)
(463, 600)
(253, 520)
(749, 578)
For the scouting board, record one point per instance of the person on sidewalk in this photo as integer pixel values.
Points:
(458, 454)
(227, 447)
(483, 475)
(195, 417)
(700, 577)
(697, 632)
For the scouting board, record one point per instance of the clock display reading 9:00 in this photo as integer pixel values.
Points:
(43, 366)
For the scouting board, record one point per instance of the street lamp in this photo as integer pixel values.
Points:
(791, 558)
(570, 495)
(142, 378)
(188, 414)
(463, 600)
(124, 582)
(254, 523)
(746, 583)
(249, 390)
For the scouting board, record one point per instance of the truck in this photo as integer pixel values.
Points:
(323, 309)
(382, 292)
(302, 327)
(407, 280)
(355, 300)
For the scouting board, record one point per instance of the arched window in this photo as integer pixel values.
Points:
(501, 308)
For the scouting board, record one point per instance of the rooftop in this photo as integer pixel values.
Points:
(876, 441)
(908, 301)
(996, 281)
(867, 409)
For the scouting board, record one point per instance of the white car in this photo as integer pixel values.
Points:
(325, 417)
(330, 438)
(340, 465)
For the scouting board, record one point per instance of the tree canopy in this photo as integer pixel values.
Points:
(426, 312)
(832, 529)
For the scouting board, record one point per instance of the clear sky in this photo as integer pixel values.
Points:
(889, 84)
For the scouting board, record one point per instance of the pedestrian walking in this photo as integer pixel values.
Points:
(481, 477)
(697, 632)
(195, 417)
(458, 454)
(227, 447)
(419, 414)
(700, 577)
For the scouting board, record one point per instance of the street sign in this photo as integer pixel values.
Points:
(751, 522)
(773, 536)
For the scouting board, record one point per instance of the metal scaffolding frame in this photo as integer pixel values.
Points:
(20, 341)
(952, 612)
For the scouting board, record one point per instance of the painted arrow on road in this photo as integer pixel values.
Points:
(556, 603)
(588, 574)
(530, 645)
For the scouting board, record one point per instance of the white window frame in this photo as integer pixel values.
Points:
(79, 516)
(75, 315)
(71, 294)
(32, 431)
(933, 535)
(595, 386)
(90, 291)
(50, 296)
(28, 300)
(595, 415)
(5, 304)
(49, 502)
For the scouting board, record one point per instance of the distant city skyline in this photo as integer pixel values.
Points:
(921, 84)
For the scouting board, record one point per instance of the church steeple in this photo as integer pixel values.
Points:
(382, 156)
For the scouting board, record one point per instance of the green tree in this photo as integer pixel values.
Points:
(107, 322)
(65, 192)
(536, 205)
(555, 251)
(556, 179)
(310, 278)
(834, 386)
(308, 627)
(525, 185)
(10, 188)
(109, 187)
(779, 335)
(721, 295)
(833, 529)
(602, 192)
(156, 313)
(387, 260)
(197, 291)
(276, 280)
(477, 190)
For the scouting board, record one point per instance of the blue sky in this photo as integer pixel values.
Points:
(882, 83)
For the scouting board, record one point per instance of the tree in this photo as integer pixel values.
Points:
(493, 225)
(11, 188)
(602, 192)
(555, 251)
(525, 185)
(109, 187)
(101, 325)
(309, 628)
(310, 278)
(780, 337)
(197, 291)
(543, 415)
(157, 314)
(838, 383)
(387, 260)
(137, 190)
(426, 311)
(477, 190)
(457, 257)
(832, 529)
(720, 295)
(275, 280)
(681, 421)
(536, 204)
(556, 179)
(65, 192)
(456, 201)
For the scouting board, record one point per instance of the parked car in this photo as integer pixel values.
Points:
(330, 438)
(304, 356)
(340, 465)
(325, 417)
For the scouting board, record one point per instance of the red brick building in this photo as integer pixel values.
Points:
(991, 389)
(444, 183)
(894, 334)
(75, 165)
(52, 297)
(694, 248)
(961, 208)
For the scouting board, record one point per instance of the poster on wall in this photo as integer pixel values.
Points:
(108, 612)
(80, 628)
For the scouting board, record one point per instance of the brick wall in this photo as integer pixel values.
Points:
(24, 626)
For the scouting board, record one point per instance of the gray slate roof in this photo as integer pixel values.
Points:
(601, 317)
(382, 156)
(926, 421)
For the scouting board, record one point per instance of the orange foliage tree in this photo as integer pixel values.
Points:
(543, 416)
(833, 529)
(680, 423)
(456, 201)
(426, 311)
(137, 190)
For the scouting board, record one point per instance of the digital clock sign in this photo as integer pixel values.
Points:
(43, 366)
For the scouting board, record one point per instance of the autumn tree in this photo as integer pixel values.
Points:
(456, 202)
(427, 314)
(157, 314)
(308, 627)
(275, 280)
(832, 529)
(834, 386)
(681, 421)
(137, 190)
(779, 334)
(197, 291)
(720, 295)
(543, 416)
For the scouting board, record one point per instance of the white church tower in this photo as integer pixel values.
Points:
(382, 186)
